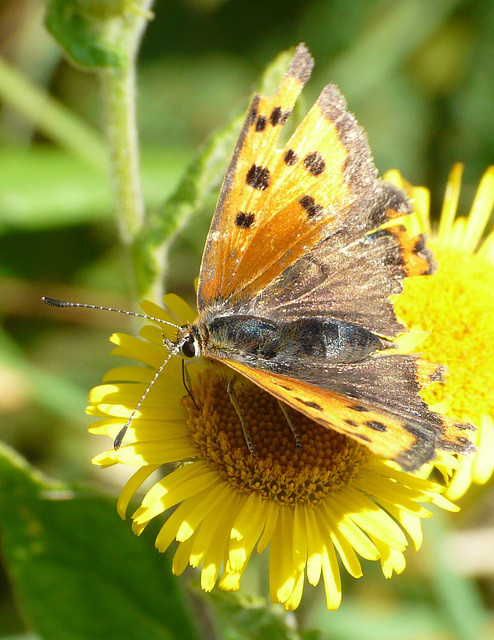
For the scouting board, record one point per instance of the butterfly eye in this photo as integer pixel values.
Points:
(190, 348)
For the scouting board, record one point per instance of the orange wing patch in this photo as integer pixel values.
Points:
(309, 195)
(417, 260)
(335, 412)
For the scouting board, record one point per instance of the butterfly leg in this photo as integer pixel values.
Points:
(168, 344)
(293, 428)
(234, 400)
(187, 383)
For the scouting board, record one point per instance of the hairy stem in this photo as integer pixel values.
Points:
(119, 91)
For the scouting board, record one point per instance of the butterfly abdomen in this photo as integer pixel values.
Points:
(334, 341)
(331, 340)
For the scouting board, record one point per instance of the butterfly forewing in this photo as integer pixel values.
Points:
(247, 180)
(375, 409)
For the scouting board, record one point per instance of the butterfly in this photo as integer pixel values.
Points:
(297, 273)
(296, 277)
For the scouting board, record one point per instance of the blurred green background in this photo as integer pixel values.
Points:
(418, 74)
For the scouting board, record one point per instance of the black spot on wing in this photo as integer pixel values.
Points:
(359, 407)
(461, 444)
(252, 115)
(314, 163)
(290, 157)
(258, 177)
(309, 204)
(362, 437)
(420, 249)
(310, 403)
(261, 123)
(352, 423)
(244, 220)
(276, 116)
(419, 246)
(376, 425)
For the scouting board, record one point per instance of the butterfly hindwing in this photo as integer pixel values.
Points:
(350, 275)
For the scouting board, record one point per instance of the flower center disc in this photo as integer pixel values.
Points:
(456, 305)
(325, 462)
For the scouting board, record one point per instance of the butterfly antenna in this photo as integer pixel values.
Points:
(53, 302)
(121, 434)
(174, 349)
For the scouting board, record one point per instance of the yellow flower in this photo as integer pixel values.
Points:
(456, 307)
(329, 498)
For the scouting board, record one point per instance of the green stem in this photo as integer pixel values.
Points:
(119, 91)
(119, 94)
(52, 118)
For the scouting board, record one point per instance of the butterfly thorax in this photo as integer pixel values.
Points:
(248, 338)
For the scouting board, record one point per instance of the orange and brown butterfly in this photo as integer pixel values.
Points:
(297, 273)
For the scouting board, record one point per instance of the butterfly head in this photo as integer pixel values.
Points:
(188, 341)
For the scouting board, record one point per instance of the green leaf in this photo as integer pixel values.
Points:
(47, 188)
(23, 636)
(92, 32)
(52, 391)
(243, 618)
(77, 570)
